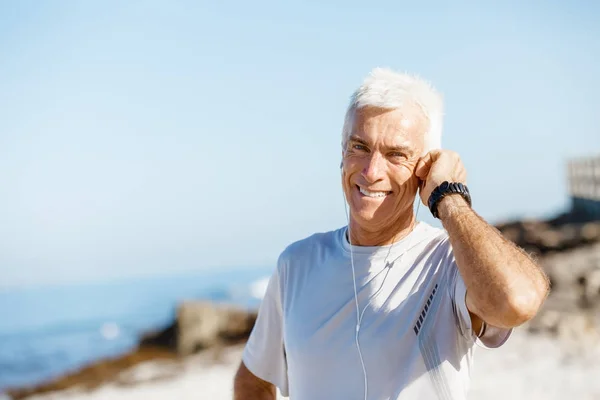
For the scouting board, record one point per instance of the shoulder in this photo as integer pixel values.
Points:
(433, 247)
(440, 256)
(317, 243)
(434, 238)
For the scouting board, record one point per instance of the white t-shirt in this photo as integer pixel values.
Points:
(415, 336)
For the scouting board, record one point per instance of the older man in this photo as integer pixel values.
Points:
(388, 307)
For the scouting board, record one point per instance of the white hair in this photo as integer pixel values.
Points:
(386, 89)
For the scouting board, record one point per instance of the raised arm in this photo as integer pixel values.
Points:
(505, 287)
(247, 386)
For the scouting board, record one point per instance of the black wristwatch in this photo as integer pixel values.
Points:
(445, 189)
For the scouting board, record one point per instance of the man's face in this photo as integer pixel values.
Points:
(379, 161)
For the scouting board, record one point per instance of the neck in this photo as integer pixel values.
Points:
(400, 228)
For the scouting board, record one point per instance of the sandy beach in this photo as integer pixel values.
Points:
(528, 367)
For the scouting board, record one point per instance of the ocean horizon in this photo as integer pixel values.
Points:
(48, 331)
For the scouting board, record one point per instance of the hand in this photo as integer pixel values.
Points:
(436, 167)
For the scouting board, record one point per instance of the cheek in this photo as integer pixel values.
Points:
(406, 185)
(346, 182)
(403, 175)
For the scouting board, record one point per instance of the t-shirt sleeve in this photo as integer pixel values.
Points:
(491, 336)
(264, 354)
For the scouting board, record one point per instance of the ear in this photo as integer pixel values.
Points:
(421, 184)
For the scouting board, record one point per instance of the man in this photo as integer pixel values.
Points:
(389, 307)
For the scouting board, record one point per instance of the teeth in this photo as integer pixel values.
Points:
(372, 194)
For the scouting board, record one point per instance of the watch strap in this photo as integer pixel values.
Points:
(444, 189)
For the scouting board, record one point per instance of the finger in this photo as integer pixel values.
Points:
(461, 173)
(423, 166)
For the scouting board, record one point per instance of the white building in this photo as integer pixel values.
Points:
(584, 186)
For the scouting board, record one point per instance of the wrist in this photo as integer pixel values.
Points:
(446, 189)
(452, 204)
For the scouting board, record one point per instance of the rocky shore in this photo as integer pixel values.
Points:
(199, 327)
(567, 247)
(569, 252)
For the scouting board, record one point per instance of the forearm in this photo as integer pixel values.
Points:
(248, 392)
(505, 287)
(246, 386)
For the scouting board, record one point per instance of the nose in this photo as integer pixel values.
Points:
(375, 167)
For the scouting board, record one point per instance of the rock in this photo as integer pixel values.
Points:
(591, 231)
(575, 274)
(202, 324)
(547, 237)
(591, 289)
(165, 338)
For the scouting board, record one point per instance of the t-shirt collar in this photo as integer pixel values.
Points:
(420, 231)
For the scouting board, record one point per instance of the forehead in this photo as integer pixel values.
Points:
(406, 125)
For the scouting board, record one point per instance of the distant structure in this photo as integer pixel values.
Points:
(584, 187)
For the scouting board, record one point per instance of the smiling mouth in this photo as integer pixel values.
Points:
(373, 194)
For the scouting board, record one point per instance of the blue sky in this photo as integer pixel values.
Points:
(156, 137)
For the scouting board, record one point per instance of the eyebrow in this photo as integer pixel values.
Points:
(400, 148)
(355, 138)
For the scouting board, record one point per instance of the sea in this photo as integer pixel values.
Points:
(46, 332)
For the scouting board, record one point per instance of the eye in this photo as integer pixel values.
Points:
(361, 147)
(399, 155)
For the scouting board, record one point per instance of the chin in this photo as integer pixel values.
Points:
(368, 215)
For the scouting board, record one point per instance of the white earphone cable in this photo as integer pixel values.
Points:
(359, 314)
